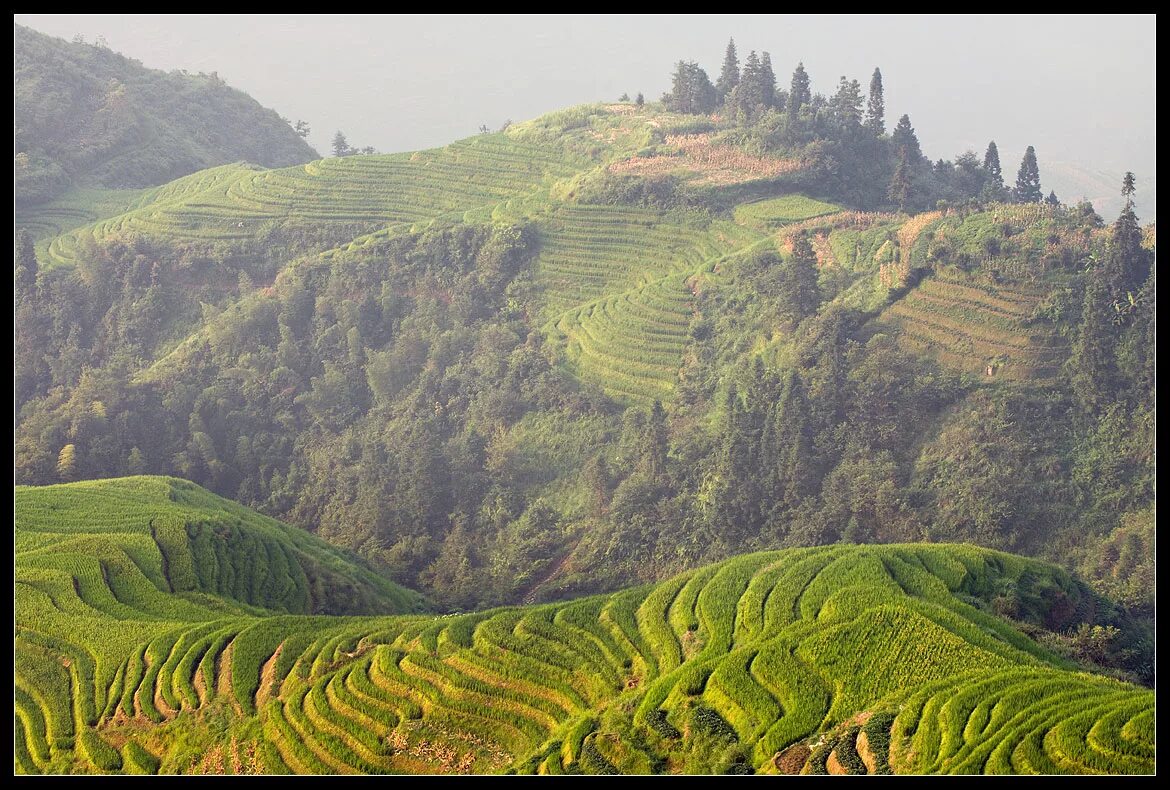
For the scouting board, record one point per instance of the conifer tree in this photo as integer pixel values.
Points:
(799, 93)
(1052, 199)
(691, 90)
(799, 295)
(875, 111)
(767, 87)
(846, 104)
(904, 139)
(1028, 179)
(993, 187)
(639, 100)
(341, 145)
(729, 76)
(1126, 264)
(991, 164)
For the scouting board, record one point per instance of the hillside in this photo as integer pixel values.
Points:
(86, 117)
(603, 346)
(728, 668)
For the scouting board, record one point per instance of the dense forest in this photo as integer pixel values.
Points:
(87, 116)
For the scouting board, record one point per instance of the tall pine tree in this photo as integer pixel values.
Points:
(846, 105)
(729, 76)
(799, 93)
(1127, 263)
(798, 292)
(1028, 179)
(767, 81)
(875, 110)
(991, 164)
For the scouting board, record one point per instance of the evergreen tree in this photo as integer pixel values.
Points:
(1052, 199)
(875, 111)
(1126, 264)
(993, 187)
(67, 462)
(991, 164)
(846, 105)
(341, 145)
(302, 128)
(691, 90)
(767, 81)
(639, 100)
(625, 97)
(748, 95)
(25, 266)
(904, 139)
(799, 295)
(799, 93)
(1028, 179)
(729, 76)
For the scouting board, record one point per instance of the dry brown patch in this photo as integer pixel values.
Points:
(791, 761)
(833, 765)
(713, 164)
(866, 754)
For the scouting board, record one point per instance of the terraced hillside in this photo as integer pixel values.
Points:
(733, 664)
(618, 283)
(976, 327)
(232, 202)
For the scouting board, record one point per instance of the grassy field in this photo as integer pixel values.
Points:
(162, 629)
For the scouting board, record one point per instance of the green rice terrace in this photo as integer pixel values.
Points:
(161, 629)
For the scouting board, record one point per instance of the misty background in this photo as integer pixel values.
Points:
(1082, 89)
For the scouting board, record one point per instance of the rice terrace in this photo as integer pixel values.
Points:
(716, 432)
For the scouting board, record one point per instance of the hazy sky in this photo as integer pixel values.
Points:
(1081, 89)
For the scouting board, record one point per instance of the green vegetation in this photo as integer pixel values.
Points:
(88, 117)
(482, 331)
(720, 669)
(776, 212)
(588, 353)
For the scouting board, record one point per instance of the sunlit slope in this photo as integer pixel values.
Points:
(116, 674)
(235, 202)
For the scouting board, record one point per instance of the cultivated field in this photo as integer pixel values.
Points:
(162, 629)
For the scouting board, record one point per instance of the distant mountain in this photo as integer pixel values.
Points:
(84, 115)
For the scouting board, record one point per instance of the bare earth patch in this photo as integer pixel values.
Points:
(715, 165)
